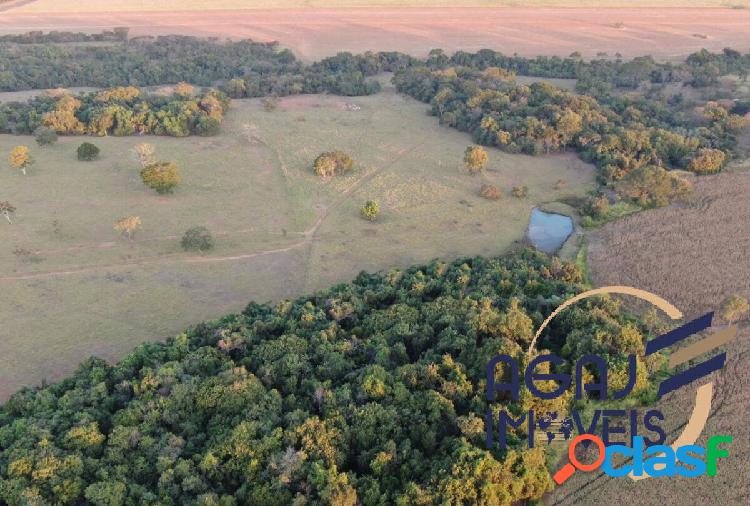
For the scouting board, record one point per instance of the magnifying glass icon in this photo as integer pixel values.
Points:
(568, 469)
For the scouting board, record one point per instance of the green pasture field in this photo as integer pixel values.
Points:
(72, 287)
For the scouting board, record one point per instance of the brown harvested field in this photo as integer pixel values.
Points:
(691, 254)
(666, 33)
(694, 255)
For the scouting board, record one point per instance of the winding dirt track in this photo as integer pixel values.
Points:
(667, 33)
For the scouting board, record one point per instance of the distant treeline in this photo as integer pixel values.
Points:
(474, 92)
(62, 59)
(118, 111)
(264, 68)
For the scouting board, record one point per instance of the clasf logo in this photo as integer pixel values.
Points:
(645, 457)
(654, 461)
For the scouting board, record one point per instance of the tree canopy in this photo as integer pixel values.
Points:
(117, 111)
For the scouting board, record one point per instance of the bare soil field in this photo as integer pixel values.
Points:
(694, 255)
(71, 287)
(666, 33)
(170, 5)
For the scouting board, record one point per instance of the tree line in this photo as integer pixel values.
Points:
(370, 392)
(117, 111)
(262, 68)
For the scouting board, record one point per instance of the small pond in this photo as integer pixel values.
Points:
(548, 231)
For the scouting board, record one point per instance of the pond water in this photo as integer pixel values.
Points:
(548, 231)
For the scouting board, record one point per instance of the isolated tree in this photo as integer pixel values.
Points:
(162, 177)
(146, 154)
(324, 165)
(475, 159)
(197, 239)
(333, 163)
(20, 158)
(520, 191)
(734, 308)
(127, 226)
(87, 152)
(490, 192)
(45, 136)
(370, 210)
(6, 209)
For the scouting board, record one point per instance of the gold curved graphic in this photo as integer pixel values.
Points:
(704, 394)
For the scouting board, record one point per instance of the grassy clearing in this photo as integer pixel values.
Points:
(74, 288)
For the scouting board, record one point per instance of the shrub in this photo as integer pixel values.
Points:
(6, 209)
(128, 225)
(596, 207)
(370, 210)
(520, 191)
(20, 158)
(197, 239)
(333, 163)
(475, 159)
(734, 308)
(45, 136)
(490, 192)
(270, 103)
(162, 177)
(87, 152)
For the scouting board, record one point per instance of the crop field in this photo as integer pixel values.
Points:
(664, 31)
(694, 255)
(157, 5)
(72, 287)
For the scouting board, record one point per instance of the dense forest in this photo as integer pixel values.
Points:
(368, 393)
(118, 111)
